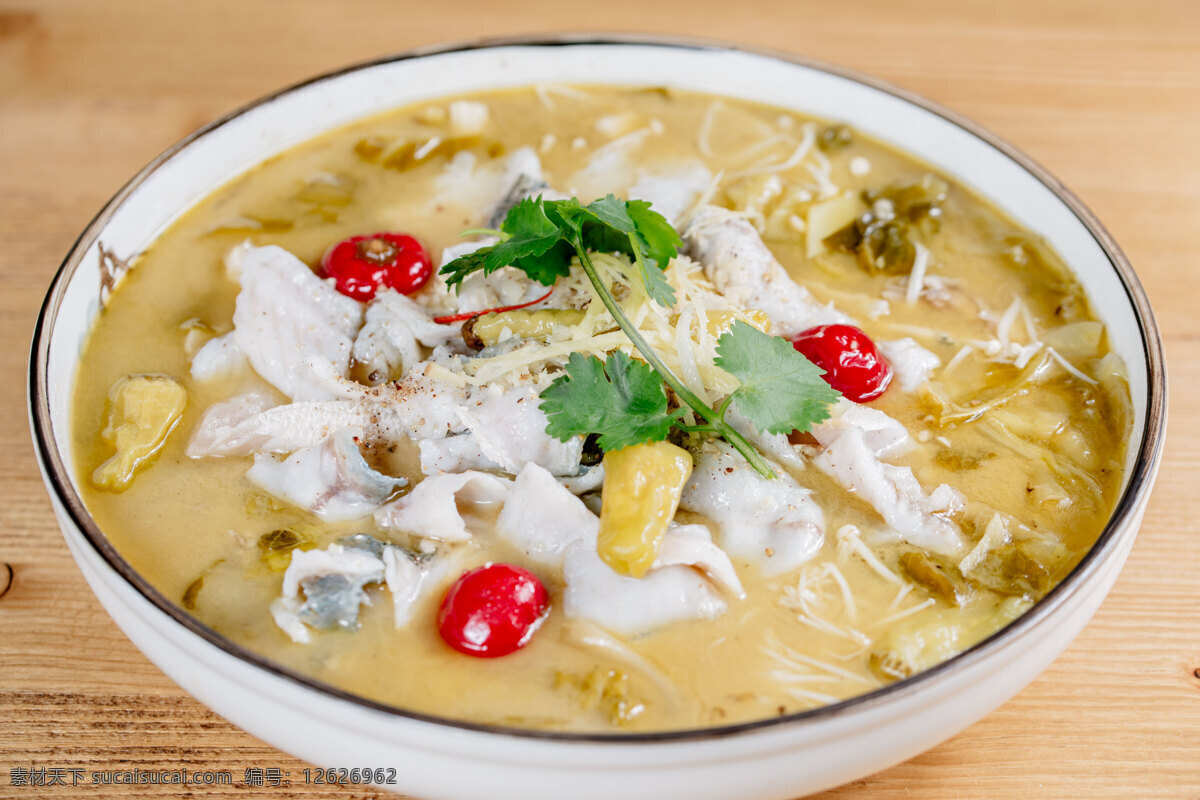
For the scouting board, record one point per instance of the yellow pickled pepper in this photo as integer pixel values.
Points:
(642, 487)
(144, 409)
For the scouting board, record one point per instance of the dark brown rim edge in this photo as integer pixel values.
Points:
(1135, 493)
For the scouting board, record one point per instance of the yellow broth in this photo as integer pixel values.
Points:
(183, 519)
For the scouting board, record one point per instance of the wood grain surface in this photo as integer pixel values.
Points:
(1104, 93)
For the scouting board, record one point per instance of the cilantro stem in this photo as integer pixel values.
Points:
(721, 411)
(716, 420)
(499, 234)
(695, 428)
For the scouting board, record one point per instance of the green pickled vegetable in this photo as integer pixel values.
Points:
(1013, 570)
(409, 154)
(835, 137)
(191, 593)
(941, 580)
(603, 690)
(884, 238)
(275, 548)
(918, 202)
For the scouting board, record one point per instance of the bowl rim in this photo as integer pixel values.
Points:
(1119, 525)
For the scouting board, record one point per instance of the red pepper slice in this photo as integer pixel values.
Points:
(468, 315)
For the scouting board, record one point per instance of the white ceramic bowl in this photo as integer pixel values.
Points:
(775, 758)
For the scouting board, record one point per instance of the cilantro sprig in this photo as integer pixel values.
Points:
(540, 237)
(621, 399)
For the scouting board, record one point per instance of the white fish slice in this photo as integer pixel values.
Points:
(409, 580)
(884, 436)
(911, 363)
(632, 606)
(743, 269)
(418, 407)
(434, 509)
(295, 328)
(219, 357)
(510, 429)
(390, 340)
(542, 518)
(774, 524)
(692, 546)
(355, 567)
(331, 480)
(895, 494)
(671, 189)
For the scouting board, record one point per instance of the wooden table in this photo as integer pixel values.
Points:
(1105, 93)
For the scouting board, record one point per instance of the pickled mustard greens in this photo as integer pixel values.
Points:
(583, 395)
(883, 237)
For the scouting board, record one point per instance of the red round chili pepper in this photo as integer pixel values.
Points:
(853, 364)
(361, 265)
(492, 610)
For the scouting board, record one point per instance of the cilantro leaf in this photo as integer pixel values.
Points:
(613, 213)
(540, 237)
(551, 265)
(641, 225)
(531, 233)
(657, 287)
(781, 390)
(527, 219)
(602, 239)
(534, 242)
(659, 239)
(620, 399)
(458, 269)
(616, 229)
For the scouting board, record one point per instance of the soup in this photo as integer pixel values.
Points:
(623, 501)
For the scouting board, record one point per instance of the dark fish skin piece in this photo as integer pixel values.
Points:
(524, 186)
(332, 601)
